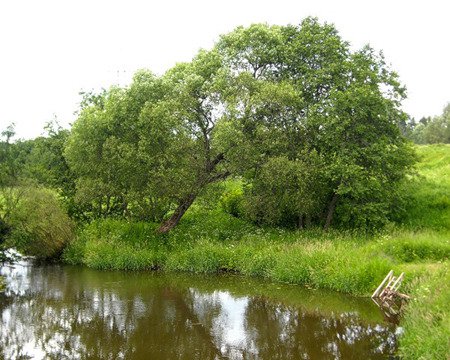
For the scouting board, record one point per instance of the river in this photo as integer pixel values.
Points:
(65, 312)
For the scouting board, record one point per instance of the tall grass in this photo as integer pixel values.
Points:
(426, 321)
(213, 242)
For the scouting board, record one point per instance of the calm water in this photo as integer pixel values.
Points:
(59, 312)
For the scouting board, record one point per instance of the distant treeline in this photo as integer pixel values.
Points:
(307, 126)
(428, 130)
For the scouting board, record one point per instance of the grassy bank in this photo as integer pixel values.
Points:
(213, 242)
(426, 321)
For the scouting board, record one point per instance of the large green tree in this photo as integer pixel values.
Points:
(300, 93)
(150, 147)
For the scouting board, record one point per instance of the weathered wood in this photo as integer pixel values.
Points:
(388, 277)
(398, 282)
(388, 286)
(387, 297)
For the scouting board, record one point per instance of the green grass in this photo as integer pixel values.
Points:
(429, 205)
(213, 242)
(426, 321)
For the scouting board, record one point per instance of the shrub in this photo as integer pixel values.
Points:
(232, 202)
(40, 226)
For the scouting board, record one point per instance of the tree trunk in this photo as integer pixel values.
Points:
(300, 222)
(171, 222)
(331, 209)
(308, 221)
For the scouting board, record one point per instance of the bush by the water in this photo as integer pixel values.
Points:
(39, 225)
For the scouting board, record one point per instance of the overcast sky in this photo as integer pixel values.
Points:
(50, 50)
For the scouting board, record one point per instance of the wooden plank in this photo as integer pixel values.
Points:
(397, 284)
(388, 286)
(388, 277)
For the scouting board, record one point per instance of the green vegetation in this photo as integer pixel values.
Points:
(429, 199)
(39, 225)
(214, 241)
(302, 119)
(333, 260)
(429, 130)
(426, 321)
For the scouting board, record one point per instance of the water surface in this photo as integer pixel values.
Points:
(63, 312)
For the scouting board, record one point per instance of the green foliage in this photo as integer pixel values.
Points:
(13, 156)
(75, 250)
(232, 199)
(106, 256)
(329, 266)
(46, 164)
(287, 192)
(143, 150)
(221, 242)
(39, 225)
(113, 244)
(308, 124)
(426, 322)
(318, 131)
(203, 258)
(4, 231)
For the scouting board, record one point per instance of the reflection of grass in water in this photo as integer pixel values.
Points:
(319, 302)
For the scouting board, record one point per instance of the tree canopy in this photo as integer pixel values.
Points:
(309, 127)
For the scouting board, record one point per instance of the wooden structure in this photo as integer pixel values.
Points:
(387, 297)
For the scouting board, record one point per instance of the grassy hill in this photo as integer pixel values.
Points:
(429, 206)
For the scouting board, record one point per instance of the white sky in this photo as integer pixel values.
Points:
(50, 50)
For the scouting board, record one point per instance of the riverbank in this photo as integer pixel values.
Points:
(351, 263)
(211, 241)
(217, 242)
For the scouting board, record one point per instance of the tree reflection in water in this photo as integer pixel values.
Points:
(55, 312)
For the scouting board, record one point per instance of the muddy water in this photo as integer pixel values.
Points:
(61, 312)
